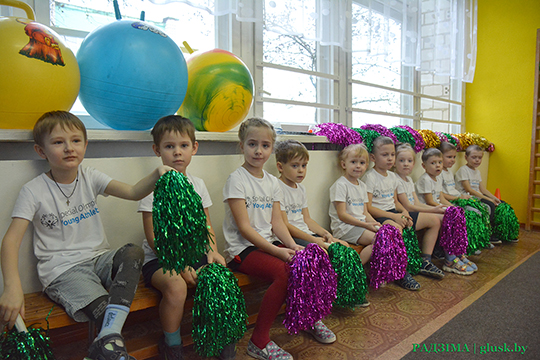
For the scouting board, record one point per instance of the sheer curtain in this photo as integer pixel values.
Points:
(437, 36)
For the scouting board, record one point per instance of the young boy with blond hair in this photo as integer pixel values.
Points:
(76, 266)
(291, 159)
(175, 144)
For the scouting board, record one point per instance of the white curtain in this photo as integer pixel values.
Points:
(437, 36)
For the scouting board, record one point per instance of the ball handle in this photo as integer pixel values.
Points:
(20, 325)
(21, 5)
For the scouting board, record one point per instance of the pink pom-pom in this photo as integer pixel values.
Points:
(454, 231)
(389, 256)
(338, 134)
(311, 289)
(419, 140)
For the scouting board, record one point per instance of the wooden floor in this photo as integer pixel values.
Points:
(395, 320)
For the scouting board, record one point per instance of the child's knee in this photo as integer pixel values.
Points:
(175, 289)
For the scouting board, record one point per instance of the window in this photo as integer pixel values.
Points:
(312, 61)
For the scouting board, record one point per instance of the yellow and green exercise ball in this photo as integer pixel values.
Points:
(220, 91)
(38, 73)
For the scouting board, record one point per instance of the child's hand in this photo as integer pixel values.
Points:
(465, 196)
(11, 305)
(190, 276)
(403, 220)
(215, 257)
(163, 169)
(496, 201)
(440, 209)
(373, 226)
(285, 254)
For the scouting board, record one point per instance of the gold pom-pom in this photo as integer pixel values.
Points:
(430, 138)
(480, 140)
(465, 140)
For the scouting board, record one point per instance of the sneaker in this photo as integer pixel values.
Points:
(167, 352)
(322, 334)
(428, 269)
(408, 283)
(364, 304)
(228, 352)
(495, 240)
(491, 246)
(109, 347)
(438, 253)
(464, 259)
(455, 265)
(478, 252)
(514, 240)
(270, 352)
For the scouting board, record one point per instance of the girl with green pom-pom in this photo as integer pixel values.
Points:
(258, 242)
(174, 142)
(469, 181)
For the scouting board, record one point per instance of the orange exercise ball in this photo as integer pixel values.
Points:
(38, 72)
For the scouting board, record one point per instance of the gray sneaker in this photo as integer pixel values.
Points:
(270, 352)
(428, 269)
(167, 352)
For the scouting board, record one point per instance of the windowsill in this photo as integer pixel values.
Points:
(13, 135)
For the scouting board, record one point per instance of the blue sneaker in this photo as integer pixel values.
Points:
(468, 262)
(455, 265)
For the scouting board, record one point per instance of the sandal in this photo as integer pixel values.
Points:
(408, 283)
(469, 263)
(109, 347)
(456, 266)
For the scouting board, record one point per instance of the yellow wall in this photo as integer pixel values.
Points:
(500, 99)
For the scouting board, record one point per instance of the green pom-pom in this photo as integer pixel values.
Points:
(404, 136)
(181, 235)
(506, 223)
(414, 256)
(367, 137)
(219, 310)
(477, 220)
(352, 281)
(32, 345)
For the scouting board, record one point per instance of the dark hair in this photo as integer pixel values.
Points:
(173, 123)
(289, 149)
(48, 121)
(431, 152)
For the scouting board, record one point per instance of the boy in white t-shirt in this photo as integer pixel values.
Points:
(382, 189)
(175, 144)
(449, 153)
(291, 160)
(76, 266)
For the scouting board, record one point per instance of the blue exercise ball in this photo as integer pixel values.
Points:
(132, 74)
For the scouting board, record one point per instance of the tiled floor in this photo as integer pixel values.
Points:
(396, 318)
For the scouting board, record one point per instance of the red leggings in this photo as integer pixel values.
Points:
(267, 267)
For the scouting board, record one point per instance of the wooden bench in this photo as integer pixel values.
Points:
(145, 306)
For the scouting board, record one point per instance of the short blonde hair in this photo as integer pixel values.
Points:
(402, 147)
(358, 150)
(255, 122)
(381, 141)
(431, 152)
(48, 121)
(288, 150)
(472, 148)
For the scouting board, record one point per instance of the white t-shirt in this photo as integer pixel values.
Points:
(466, 173)
(293, 201)
(259, 195)
(146, 204)
(354, 196)
(426, 185)
(382, 189)
(449, 183)
(406, 187)
(64, 235)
